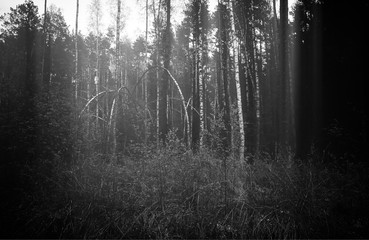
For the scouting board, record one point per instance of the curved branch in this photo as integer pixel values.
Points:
(178, 87)
(88, 103)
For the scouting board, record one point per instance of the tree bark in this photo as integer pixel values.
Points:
(146, 82)
(117, 76)
(196, 124)
(227, 138)
(45, 78)
(76, 56)
(284, 71)
(157, 35)
(163, 111)
(235, 46)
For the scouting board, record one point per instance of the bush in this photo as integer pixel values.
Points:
(173, 193)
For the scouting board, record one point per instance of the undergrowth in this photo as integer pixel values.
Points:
(173, 193)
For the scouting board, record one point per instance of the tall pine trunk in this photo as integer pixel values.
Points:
(146, 65)
(196, 124)
(163, 108)
(284, 65)
(195, 99)
(227, 138)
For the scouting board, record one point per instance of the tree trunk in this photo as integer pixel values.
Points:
(284, 71)
(157, 35)
(235, 46)
(227, 138)
(97, 76)
(45, 78)
(76, 56)
(163, 120)
(256, 85)
(203, 11)
(196, 124)
(275, 84)
(145, 81)
(195, 100)
(88, 98)
(117, 75)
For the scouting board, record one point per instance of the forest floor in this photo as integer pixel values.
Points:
(175, 194)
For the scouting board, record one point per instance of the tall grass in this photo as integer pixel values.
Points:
(173, 193)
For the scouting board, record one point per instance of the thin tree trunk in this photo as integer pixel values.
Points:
(76, 57)
(284, 70)
(45, 79)
(88, 98)
(256, 83)
(235, 46)
(203, 70)
(261, 92)
(201, 98)
(163, 117)
(257, 101)
(195, 97)
(276, 83)
(117, 71)
(145, 81)
(196, 125)
(117, 37)
(97, 76)
(224, 68)
(157, 19)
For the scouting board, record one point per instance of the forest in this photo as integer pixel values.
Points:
(249, 121)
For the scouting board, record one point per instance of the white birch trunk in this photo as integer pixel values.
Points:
(235, 46)
(257, 86)
(201, 71)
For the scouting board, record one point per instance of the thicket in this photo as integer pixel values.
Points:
(173, 193)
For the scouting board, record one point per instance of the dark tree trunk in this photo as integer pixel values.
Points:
(284, 68)
(163, 108)
(196, 102)
(308, 108)
(226, 132)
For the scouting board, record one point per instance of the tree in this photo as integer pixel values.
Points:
(76, 77)
(95, 8)
(199, 16)
(158, 35)
(45, 76)
(196, 91)
(284, 65)
(308, 111)
(146, 65)
(235, 45)
(163, 118)
(58, 38)
(20, 31)
(182, 65)
(22, 24)
(116, 103)
(223, 83)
